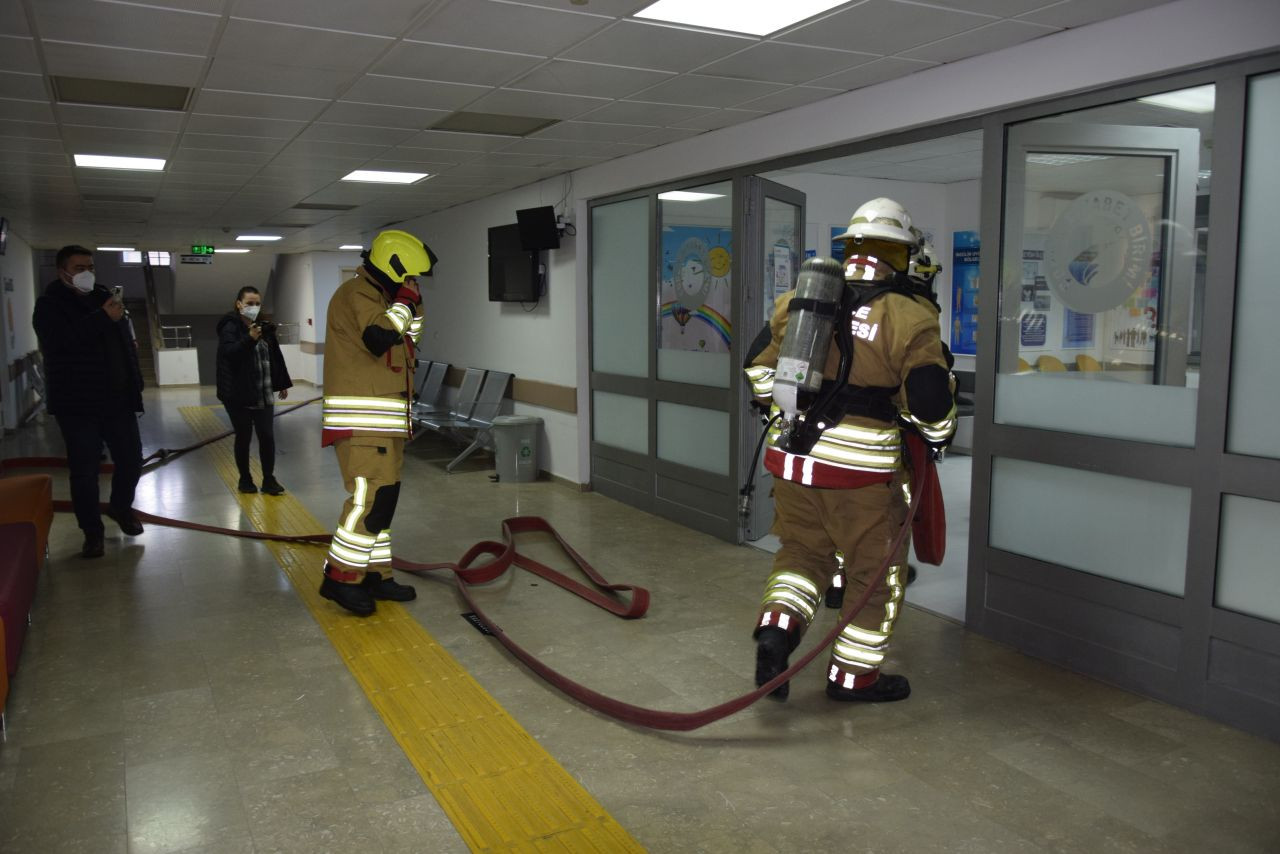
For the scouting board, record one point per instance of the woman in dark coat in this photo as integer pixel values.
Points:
(251, 370)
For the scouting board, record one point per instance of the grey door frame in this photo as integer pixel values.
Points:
(1184, 650)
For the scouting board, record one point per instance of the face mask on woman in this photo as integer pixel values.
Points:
(251, 312)
(83, 281)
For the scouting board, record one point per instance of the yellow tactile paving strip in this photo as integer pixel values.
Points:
(499, 787)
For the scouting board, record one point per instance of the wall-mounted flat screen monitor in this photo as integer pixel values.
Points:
(513, 270)
(538, 228)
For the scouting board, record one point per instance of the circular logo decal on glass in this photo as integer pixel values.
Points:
(1099, 252)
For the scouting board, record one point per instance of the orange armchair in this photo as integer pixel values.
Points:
(29, 498)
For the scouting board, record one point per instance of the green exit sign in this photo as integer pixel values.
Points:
(201, 250)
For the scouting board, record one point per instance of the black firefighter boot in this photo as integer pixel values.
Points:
(356, 598)
(381, 587)
(772, 648)
(888, 688)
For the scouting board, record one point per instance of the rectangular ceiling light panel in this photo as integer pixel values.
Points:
(106, 161)
(371, 176)
(687, 196)
(756, 19)
(1197, 100)
(261, 237)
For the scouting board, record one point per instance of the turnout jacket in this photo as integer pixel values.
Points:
(897, 349)
(370, 337)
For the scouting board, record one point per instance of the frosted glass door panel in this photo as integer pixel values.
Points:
(621, 421)
(693, 436)
(620, 288)
(1116, 527)
(695, 285)
(1249, 542)
(1255, 404)
(1099, 272)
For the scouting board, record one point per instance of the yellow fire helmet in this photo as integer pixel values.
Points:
(399, 255)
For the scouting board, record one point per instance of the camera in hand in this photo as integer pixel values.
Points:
(266, 327)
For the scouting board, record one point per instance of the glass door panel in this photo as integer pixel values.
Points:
(695, 288)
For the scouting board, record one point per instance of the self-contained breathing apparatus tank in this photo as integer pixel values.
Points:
(802, 357)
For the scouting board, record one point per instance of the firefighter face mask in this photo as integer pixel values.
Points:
(874, 260)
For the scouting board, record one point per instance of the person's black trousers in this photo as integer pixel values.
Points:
(84, 436)
(246, 421)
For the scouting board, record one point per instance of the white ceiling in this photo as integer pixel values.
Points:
(290, 95)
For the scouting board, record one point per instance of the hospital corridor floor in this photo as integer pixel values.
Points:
(190, 692)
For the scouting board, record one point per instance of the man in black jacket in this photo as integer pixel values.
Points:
(94, 389)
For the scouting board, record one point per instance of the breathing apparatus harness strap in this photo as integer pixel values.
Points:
(836, 398)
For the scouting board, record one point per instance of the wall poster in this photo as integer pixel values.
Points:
(964, 297)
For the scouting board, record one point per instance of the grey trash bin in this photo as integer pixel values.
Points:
(515, 440)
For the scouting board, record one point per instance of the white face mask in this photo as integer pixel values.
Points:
(251, 311)
(83, 281)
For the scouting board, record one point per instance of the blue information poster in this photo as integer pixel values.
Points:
(964, 285)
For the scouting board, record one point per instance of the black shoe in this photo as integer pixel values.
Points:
(247, 485)
(772, 648)
(834, 597)
(911, 574)
(388, 588)
(94, 546)
(271, 486)
(354, 597)
(887, 689)
(126, 520)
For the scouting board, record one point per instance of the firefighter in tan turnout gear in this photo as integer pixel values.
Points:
(851, 355)
(374, 322)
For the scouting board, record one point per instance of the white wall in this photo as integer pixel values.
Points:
(177, 367)
(18, 291)
(303, 286)
(551, 342)
(210, 289)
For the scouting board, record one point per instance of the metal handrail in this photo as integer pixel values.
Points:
(175, 337)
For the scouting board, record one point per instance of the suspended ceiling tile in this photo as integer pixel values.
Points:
(232, 156)
(785, 99)
(563, 147)
(663, 48)
(331, 152)
(227, 142)
(382, 137)
(141, 27)
(29, 87)
(27, 111)
(873, 72)
(113, 63)
(592, 131)
(1001, 8)
(28, 130)
(411, 92)
(662, 136)
(884, 27)
(581, 78)
(13, 20)
(640, 113)
(506, 26)
(455, 64)
(381, 115)
(244, 126)
(18, 54)
(611, 8)
(986, 39)
(119, 117)
(271, 78)
(259, 106)
(1077, 13)
(385, 17)
(704, 91)
(455, 141)
(399, 158)
(85, 139)
(568, 164)
(786, 63)
(300, 47)
(512, 102)
(721, 118)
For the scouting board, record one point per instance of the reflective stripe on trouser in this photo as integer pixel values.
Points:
(368, 464)
(813, 524)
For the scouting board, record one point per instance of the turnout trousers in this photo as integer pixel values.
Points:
(813, 524)
(362, 541)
